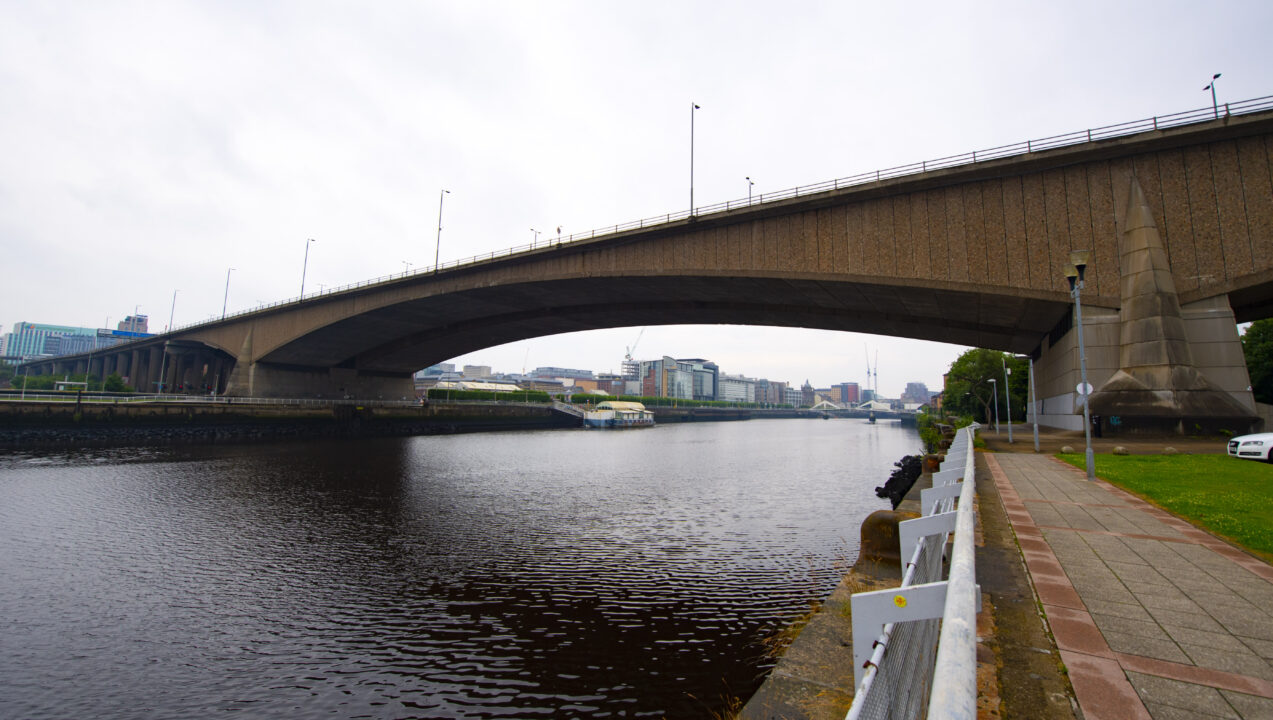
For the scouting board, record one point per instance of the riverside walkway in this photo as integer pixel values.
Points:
(1153, 617)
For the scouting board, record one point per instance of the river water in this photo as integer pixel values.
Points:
(530, 574)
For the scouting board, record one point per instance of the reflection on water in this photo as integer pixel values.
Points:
(532, 574)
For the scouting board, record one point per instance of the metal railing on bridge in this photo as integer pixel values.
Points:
(923, 656)
(1158, 122)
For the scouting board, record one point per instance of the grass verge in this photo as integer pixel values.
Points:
(1229, 497)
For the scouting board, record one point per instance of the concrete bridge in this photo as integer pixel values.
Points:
(1180, 220)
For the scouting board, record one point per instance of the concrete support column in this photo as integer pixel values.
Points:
(1159, 385)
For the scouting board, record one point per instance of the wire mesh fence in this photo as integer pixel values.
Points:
(898, 680)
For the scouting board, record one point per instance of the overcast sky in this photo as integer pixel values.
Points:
(147, 147)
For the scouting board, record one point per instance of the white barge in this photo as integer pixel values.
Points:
(618, 414)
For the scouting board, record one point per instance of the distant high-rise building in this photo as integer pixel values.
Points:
(771, 392)
(793, 396)
(558, 372)
(916, 392)
(737, 388)
(29, 340)
(477, 371)
(706, 378)
(807, 398)
(134, 323)
(848, 393)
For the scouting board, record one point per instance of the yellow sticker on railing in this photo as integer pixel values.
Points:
(899, 600)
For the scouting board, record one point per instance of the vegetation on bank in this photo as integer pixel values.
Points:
(1226, 496)
(114, 383)
(975, 386)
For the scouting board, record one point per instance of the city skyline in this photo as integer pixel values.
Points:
(194, 149)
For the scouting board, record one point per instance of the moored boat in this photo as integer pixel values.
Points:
(618, 414)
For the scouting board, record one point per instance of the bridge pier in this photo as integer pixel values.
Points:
(1156, 366)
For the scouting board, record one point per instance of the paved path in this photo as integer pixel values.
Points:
(1153, 617)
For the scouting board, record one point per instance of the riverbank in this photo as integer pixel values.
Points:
(1022, 673)
(1019, 670)
(102, 424)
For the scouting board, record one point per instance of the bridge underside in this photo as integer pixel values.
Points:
(432, 329)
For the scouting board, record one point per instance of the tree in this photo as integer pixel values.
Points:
(1257, 348)
(969, 391)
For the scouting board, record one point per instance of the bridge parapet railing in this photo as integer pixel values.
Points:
(1158, 122)
(915, 646)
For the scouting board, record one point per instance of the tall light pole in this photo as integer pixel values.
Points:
(693, 107)
(406, 267)
(1212, 87)
(749, 184)
(535, 240)
(107, 326)
(226, 299)
(1034, 406)
(163, 364)
(1007, 396)
(994, 390)
(437, 251)
(1078, 264)
(305, 267)
(88, 369)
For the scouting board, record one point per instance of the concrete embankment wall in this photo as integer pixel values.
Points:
(35, 424)
(70, 424)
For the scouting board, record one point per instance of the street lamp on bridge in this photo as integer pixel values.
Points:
(1212, 87)
(226, 299)
(693, 107)
(305, 267)
(749, 184)
(437, 251)
(1074, 274)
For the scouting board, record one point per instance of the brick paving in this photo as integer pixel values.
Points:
(1153, 617)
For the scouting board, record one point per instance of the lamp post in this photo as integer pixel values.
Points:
(107, 326)
(305, 267)
(1007, 396)
(1212, 87)
(749, 184)
(1078, 261)
(437, 250)
(1034, 406)
(88, 368)
(163, 364)
(994, 390)
(534, 241)
(693, 107)
(226, 299)
(406, 268)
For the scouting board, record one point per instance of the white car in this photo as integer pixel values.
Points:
(1252, 447)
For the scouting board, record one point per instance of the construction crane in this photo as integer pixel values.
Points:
(872, 387)
(631, 366)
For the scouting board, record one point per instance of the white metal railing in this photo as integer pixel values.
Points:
(924, 656)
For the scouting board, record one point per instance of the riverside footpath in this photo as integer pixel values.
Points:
(1151, 616)
(1096, 605)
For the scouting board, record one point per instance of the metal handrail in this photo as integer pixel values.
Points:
(954, 692)
(1157, 122)
(954, 670)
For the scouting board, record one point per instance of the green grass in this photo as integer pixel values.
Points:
(1231, 498)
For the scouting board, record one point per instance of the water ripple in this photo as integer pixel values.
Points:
(535, 574)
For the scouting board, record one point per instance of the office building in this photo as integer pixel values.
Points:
(737, 388)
